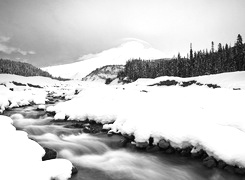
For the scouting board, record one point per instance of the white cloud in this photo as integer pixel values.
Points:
(8, 49)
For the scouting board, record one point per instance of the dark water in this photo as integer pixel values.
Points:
(98, 158)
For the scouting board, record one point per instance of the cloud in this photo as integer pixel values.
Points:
(8, 49)
(125, 40)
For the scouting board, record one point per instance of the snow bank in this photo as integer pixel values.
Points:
(21, 158)
(225, 80)
(10, 99)
(211, 119)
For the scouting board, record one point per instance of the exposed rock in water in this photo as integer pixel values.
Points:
(186, 151)
(131, 146)
(221, 164)
(152, 149)
(198, 154)
(240, 171)
(130, 137)
(163, 144)
(170, 150)
(141, 145)
(74, 170)
(49, 154)
(230, 169)
(209, 162)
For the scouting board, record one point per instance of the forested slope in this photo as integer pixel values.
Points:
(224, 59)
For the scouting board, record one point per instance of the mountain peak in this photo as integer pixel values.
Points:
(130, 49)
(135, 44)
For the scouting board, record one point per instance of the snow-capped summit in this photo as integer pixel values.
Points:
(115, 56)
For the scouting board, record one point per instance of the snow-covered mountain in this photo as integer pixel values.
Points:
(104, 73)
(114, 56)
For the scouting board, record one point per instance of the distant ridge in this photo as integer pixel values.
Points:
(104, 74)
(118, 56)
(22, 69)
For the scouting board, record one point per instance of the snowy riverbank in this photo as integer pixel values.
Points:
(206, 118)
(21, 158)
(194, 116)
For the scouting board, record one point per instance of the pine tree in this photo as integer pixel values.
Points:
(191, 61)
(212, 46)
(239, 56)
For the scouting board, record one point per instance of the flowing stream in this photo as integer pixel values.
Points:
(97, 156)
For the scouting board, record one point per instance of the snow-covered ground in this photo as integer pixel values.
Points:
(16, 91)
(225, 80)
(21, 158)
(209, 119)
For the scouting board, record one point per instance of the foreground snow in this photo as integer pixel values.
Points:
(21, 158)
(209, 119)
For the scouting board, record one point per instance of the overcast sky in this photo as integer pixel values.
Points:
(50, 32)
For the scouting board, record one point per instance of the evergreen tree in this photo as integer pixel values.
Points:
(239, 56)
(225, 59)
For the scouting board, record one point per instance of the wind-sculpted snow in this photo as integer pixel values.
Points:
(21, 158)
(209, 119)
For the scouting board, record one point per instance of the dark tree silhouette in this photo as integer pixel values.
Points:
(22, 69)
(225, 59)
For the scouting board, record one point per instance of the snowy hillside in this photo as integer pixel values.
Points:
(116, 56)
(104, 73)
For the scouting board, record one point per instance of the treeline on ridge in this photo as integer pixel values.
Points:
(22, 69)
(224, 59)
